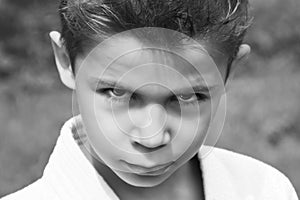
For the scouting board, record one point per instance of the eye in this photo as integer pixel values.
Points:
(114, 94)
(191, 98)
(187, 97)
(117, 92)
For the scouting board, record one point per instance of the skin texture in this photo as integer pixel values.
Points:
(148, 117)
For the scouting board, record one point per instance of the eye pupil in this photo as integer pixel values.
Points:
(186, 96)
(118, 92)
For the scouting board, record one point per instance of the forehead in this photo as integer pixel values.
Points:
(128, 59)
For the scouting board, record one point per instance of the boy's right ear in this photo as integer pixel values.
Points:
(62, 60)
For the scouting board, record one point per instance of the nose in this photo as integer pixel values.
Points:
(155, 133)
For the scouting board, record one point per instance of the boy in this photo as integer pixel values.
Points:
(148, 79)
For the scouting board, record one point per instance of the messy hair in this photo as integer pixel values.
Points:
(222, 22)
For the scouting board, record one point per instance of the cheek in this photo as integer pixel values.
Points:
(104, 130)
(196, 124)
(189, 133)
(194, 130)
(108, 142)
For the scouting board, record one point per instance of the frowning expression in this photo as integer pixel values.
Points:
(146, 109)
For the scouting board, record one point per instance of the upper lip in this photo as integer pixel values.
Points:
(144, 169)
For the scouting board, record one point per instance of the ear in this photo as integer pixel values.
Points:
(244, 51)
(62, 60)
(242, 55)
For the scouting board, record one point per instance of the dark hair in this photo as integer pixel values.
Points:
(223, 22)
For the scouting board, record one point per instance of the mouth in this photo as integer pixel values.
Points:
(148, 171)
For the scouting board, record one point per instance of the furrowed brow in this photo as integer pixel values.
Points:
(96, 82)
(195, 88)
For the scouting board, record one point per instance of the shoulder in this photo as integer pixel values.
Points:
(254, 176)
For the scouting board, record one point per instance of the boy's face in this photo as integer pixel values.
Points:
(146, 110)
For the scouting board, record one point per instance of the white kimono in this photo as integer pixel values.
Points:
(69, 175)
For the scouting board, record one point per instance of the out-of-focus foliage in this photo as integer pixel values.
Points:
(25, 53)
(274, 35)
(263, 110)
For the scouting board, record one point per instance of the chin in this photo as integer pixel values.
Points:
(142, 181)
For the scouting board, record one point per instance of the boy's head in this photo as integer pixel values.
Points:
(146, 91)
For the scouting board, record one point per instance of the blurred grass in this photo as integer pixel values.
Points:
(263, 102)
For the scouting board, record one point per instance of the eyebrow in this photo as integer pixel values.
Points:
(115, 84)
(107, 83)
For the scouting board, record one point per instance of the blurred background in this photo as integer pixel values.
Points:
(263, 118)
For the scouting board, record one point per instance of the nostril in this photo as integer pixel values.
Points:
(145, 149)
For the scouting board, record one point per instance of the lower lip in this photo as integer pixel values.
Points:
(146, 171)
